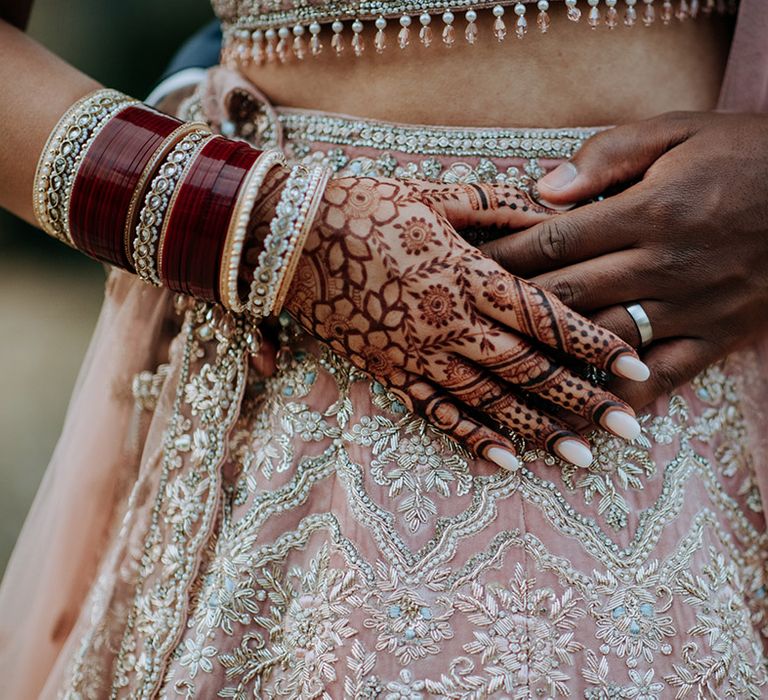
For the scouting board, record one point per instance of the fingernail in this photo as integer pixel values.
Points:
(556, 207)
(504, 458)
(574, 452)
(621, 423)
(629, 367)
(559, 178)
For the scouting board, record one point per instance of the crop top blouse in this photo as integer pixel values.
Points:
(279, 31)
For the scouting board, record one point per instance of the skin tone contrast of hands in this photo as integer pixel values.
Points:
(388, 283)
(511, 333)
(686, 236)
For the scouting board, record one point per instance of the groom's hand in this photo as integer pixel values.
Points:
(686, 236)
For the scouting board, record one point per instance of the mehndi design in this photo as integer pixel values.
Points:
(389, 284)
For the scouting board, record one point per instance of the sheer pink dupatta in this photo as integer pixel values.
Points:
(745, 89)
(745, 85)
(81, 496)
(99, 453)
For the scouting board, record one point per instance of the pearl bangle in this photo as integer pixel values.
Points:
(297, 202)
(238, 228)
(62, 154)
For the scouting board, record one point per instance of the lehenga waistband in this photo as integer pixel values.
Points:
(368, 147)
(412, 139)
(232, 103)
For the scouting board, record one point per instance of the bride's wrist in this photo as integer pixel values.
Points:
(290, 208)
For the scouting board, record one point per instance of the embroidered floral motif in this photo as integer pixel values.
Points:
(408, 624)
(524, 637)
(723, 658)
(617, 467)
(632, 618)
(304, 626)
(197, 656)
(347, 548)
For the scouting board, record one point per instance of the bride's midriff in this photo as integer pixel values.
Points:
(572, 76)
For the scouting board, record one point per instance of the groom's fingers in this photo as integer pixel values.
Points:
(604, 281)
(672, 363)
(575, 236)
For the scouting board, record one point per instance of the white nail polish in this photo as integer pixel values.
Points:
(621, 424)
(504, 458)
(574, 452)
(630, 367)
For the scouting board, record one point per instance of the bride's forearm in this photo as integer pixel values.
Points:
(37, 88)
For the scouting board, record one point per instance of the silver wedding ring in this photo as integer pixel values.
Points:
(643, 323)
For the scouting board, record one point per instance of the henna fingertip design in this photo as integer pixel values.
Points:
(575, 452)
(503, 458)
(629, 367)
(622, 424)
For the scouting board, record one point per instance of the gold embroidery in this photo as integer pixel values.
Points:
(343, 542)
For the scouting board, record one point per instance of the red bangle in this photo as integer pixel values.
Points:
(197, 226)
(107, 180)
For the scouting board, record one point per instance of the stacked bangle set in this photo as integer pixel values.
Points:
(171, 201)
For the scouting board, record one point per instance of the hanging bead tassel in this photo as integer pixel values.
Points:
(574, 13)
(425, 33)
(593, 18)
(337, 41)
(282, 45)
(404, 35)
(271, 36)
(499, 28)
(380, 40)
(521, 25)
(257, 50)
(449, 32)
(315, 46)
(358, 45)
(299, 47)
(243, 44)
(470, 33)
(695, 7)
(649, 13)
(543, 21)
(630, 14)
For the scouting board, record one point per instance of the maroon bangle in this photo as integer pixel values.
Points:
(197, 225)
(107, 179)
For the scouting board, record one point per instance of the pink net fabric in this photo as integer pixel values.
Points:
(83, 529)
(81, 498)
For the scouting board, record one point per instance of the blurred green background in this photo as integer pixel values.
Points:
(50, 295)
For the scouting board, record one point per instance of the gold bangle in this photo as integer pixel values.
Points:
(229, 271)
(158, 204)
(62, 154)
(320, 177)
(158, 157)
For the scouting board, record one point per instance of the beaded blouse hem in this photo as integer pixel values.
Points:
(260, 32)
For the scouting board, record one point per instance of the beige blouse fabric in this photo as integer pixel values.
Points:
(220, 525)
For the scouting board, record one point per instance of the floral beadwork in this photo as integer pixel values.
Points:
(300, 534)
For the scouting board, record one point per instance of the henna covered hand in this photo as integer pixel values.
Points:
(389, 284)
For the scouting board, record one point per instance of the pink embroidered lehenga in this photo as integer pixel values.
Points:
(218, 525)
